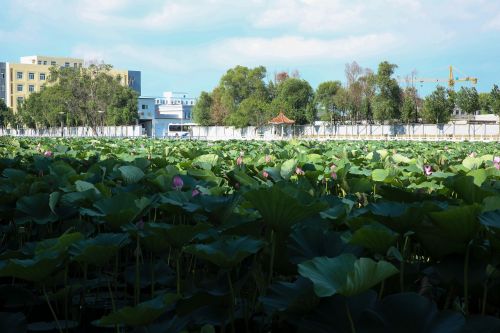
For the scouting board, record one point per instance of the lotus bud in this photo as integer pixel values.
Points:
(299, 171)
(47, 153)
(427, 170)
(333, 167)
(239, 161)
(268, 158)
(265, 174)
(195, 193)
(473, 155)
(333, 175)
(177, 183)
(496, 159)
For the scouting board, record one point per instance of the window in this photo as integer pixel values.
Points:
(2, 75)
(144, 106)
(45, 62)
(20, 100)
(19, 75)
(66, 64)
(42, 76)
(52, 63)
(19, 87)
(31, 88)
(39, 62)
(31, 76)
(75, 65)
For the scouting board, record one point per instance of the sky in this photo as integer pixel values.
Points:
(188, 45)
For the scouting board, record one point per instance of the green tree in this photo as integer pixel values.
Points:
(386, 103)
(324, 99)
(495, 100)
(296, 99)
(409, 106)
(485, 102)
(7, 117)
(438, 106)
(467, 99)
(201, 110)
(81, 96)
(252, 111)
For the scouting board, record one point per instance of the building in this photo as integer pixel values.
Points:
(32, 72)
(157, 113)
(3, 84)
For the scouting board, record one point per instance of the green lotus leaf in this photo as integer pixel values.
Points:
(162, 236)
(295, 298)
(345, 275)
(131, 174)
(142, 314)
(380, 175)
(57, 245)
(227, 251)
(98, 250)
(491, 219)
(375, 237)
(288, 168)
(472, 163)
(458, 223)
(37, 269)
(120, 209)
(410, 312)
(206, 161)
(279, 209)
(479, 176)
(82, 186)
(37, 208)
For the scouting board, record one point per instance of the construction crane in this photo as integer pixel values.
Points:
(451, 79)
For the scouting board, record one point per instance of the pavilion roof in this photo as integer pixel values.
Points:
(281, 119)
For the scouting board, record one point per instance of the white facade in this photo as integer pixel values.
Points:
(157, 113)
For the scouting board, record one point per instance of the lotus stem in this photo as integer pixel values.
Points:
(113, 305)
(137, 273)
(402, 268)
(52, 309)
(232, 300)
(351, 322)
(485, 297)
(381, 291)
(271, 261)
(466, 280)
(178, 269)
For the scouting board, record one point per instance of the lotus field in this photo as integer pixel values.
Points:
(289, 236)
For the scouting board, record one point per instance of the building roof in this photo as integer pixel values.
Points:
(281, 119)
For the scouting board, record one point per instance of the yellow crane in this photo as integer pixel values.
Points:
(451, 79)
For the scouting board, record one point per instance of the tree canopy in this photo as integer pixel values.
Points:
(80, 96)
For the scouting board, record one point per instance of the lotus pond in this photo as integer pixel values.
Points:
(298, 236)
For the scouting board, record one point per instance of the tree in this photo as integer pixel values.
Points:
(324, 99)
(342, 102)
(409, 106)
(201, 110)
(251, 112)
(485, 102)
(495, 100)
(386, 104)
(7, 116)
(467, 99)
(81, 96)
(296, 99)
(438, 106)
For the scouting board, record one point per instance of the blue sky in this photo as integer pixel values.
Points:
(187, 45)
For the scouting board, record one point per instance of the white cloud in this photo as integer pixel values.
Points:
(296, 50)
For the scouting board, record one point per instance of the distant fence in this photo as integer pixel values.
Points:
(476, 132)
(77, 132)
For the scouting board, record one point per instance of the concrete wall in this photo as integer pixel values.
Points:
(78, 132)
(411, 131)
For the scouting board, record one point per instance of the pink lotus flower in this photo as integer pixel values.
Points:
(299, 171)
(177, 183)
(333, 175)
(268, 158)
(239, 161)
(47, 153)
(496, 162)
(427, 170)
(265, 174)
(195, 193)
(333, 167)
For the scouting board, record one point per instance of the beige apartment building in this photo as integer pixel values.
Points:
(19, 80)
